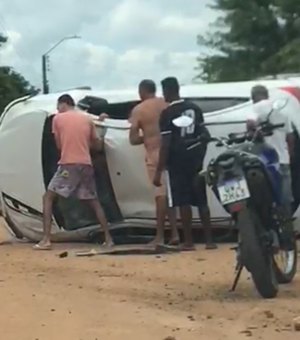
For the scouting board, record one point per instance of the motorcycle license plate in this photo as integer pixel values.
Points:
(233, 191)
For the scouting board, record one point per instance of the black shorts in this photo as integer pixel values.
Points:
(186, 187)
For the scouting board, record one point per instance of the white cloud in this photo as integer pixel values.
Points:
(132, 17)
(140, 59)
(122, 42)
(179, 24)
(8, 53)
(98, 58)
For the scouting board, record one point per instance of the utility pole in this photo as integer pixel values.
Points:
(45, 79)
(45, 59)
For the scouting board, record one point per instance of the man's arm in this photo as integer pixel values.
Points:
(97, 144)
(55, 132)
(166, 133)
(134, 135)
(290, 138)
(163, 152)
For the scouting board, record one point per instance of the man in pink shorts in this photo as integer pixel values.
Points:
(75, 136)
(145, 118)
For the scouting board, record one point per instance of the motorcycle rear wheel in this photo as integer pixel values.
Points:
(255, 256)
(285, 264)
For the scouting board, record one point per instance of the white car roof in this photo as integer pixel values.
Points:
(223, 90)
(216, 90)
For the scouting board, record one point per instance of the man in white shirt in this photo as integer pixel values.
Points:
(282, 139)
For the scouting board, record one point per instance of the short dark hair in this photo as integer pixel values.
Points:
(171, 84)
(259, 91)
(148, 85)
(66, 99)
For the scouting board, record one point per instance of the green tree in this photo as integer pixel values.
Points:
(12, 84)
(251, 39)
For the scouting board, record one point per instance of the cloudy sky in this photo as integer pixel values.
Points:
(121, 41)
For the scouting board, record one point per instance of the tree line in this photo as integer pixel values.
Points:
(251, 39)
(12, 84)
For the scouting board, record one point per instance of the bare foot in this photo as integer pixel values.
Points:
(174, 241)
(211, 246)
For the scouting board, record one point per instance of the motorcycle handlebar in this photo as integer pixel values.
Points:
(233, 138)
(270, 126)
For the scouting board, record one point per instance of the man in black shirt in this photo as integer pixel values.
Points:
(182, 158)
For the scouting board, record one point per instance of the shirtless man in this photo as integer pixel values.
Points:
(145, 118)
(75, 135)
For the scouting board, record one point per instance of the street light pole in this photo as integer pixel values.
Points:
(45, 59)
(44, 70)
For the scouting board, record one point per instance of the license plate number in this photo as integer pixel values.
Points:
(233, 191)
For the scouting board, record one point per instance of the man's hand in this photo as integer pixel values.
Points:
(103, 116)
(157, 179)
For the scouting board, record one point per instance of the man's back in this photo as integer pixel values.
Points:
(181, 138)
(73, 132)
(279, 137)
(147, 114)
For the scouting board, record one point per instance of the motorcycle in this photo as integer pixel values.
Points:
(246, 180)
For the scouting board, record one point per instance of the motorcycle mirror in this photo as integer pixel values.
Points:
(279, 104)
(183, 121)
(203, 173)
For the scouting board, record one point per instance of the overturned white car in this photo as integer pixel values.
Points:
(28, 158)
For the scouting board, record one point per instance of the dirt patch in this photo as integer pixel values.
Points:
(173, 296)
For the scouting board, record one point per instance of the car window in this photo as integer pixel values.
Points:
(215, 104)
(122, 110)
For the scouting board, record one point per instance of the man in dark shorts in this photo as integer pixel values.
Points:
(75, 135)
(183, 159)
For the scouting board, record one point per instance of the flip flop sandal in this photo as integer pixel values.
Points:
(41, 247)
(211, 246)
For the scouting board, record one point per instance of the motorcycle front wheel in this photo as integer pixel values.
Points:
(255, 256)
